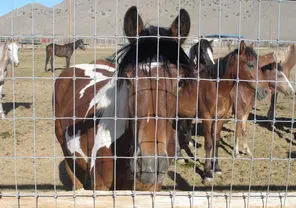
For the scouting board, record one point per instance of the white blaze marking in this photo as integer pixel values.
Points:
(73, 144)
(210, 55)
(286, 79)
(90, 71)
(147, 67)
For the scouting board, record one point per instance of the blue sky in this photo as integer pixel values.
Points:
(8, 5)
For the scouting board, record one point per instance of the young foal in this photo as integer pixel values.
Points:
(201, 52)
(246, 99)
(120, 135)
(214, 98)
(62, 51)
(8, 55)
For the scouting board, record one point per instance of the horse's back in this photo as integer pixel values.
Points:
(76, 87)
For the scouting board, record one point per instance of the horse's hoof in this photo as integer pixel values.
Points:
(208, 177)
(2, 116)
(207, 180)
(247, 152)
(218, 171)
(181, 161)
(80, 190)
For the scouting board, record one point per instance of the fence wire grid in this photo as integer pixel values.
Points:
(35, 165)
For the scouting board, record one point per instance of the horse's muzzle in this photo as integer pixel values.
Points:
(261, 93)
(151, 170)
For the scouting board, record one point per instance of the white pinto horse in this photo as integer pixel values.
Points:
(8, 55)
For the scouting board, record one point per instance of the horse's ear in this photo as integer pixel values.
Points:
(211, 42)
(133, 23)
(242, 47)
(184, 25)
(252, 45)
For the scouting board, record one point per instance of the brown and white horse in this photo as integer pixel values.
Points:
(115, 125)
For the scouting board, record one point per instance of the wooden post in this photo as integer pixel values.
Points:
(70, 19)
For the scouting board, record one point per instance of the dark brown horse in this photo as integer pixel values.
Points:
(245, 101)
(65, 50)
(214, 97)
(201, 53)
(117, 134)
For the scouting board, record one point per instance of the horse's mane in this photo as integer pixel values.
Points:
(222, 63)
(282, 54)
(149, 49)
(3, 49)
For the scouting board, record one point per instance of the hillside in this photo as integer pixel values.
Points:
(101, 18)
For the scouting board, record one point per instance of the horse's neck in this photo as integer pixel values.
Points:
(224, 72)
(290, 62)
(76, 45)
(4, 60)
(266, 59)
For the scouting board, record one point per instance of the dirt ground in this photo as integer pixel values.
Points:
(24, 138)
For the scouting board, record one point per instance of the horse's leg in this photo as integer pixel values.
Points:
(74, 179)
(68, 161)
(238, 135)
(208, 147)
(46, 60)
(68, 58)
(51, 63)
(103, 171)
(246, 149)
(184, 136)
(216, 140)
(271, 109)
(2, 114)
(1, 89)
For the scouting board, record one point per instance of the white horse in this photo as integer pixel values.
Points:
(8, 55)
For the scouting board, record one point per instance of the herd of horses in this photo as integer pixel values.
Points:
(116, 122)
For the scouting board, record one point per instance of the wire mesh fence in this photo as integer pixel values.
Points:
(136, 114)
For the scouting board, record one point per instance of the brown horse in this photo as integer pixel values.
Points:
(116, 134)
(65, 50)
(288, 59)
(245, 101)
(214, 97)
(266, 59)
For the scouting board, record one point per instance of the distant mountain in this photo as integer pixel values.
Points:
(100, 19)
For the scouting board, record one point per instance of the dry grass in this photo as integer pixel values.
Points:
(26, 138)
